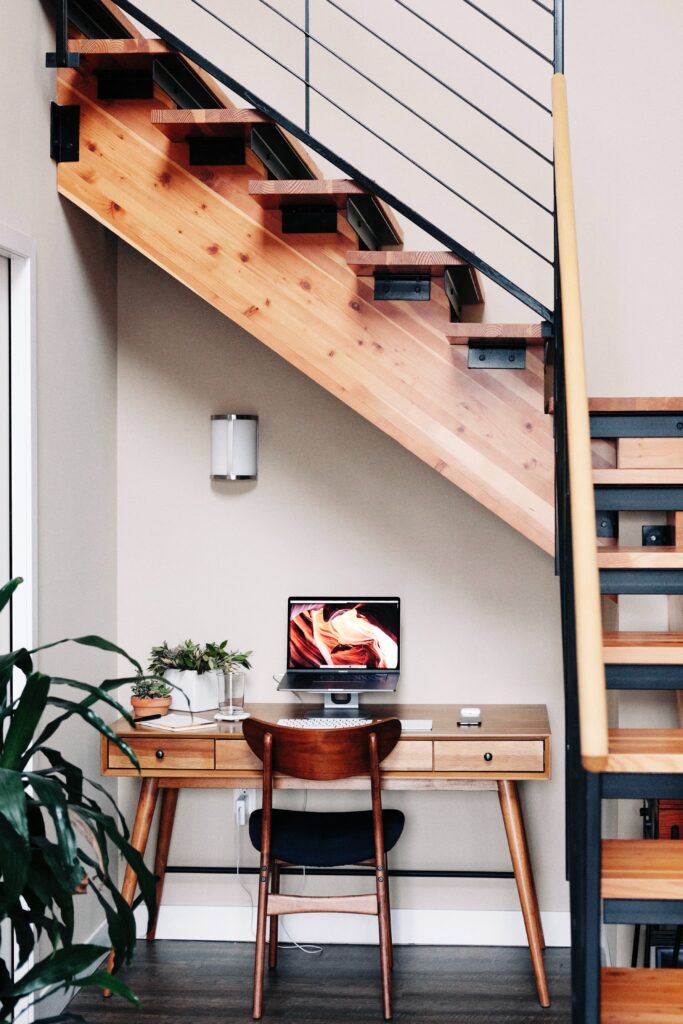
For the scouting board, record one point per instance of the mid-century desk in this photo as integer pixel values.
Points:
(512, 745)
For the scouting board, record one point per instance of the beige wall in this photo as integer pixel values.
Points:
(338, 508)
(76, 377)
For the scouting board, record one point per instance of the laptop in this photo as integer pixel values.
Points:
(342, 644)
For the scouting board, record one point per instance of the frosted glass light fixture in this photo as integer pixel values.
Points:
(234, 447)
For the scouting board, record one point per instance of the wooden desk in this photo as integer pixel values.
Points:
(513, 744)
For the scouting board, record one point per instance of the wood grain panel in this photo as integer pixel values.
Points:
(176, 752)
(631, 995)
(643, 648)
(486, 432)
(639, 477)
(640, 558)
(645, 750)
(463, 333)
(410, 755)
(642, 869)
(650, 453)
(622, 404)
(180, 125)
(273, 195)
(506, 756)
(235, 755)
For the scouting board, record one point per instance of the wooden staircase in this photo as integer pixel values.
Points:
(313, 268)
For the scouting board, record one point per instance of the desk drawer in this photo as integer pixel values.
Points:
(488, 756)
(162, 752)
(410, 756)
(235, 754)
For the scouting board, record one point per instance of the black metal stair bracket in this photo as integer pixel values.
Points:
(125, 83)
(644, 677)
(368, 220)
(227, 152)
(641, 581)
(279, 158)
(496, 357)
(65, 120)
(403, 287)
(460, 290)
(95, 21)
(607, 523)
(634, 424)
(658, 536)
(315, 219)
(182, 84)
(656, 498)
(643, 911)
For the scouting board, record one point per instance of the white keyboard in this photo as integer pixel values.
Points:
(323, 723)
(407, 724)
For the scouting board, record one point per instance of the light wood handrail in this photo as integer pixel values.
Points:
(592, 691)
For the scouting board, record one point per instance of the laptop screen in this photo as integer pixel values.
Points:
(343, 633)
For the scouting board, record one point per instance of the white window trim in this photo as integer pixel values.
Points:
(21, 251)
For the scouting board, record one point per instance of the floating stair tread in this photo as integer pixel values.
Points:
(365, 264)
(638, 995)
(640, 558)
(639, 477)
(492, 334)
(664, 404)
(643, 648)
(642, 869)
(180, 125)
(645, 750)
(273, 195)
(138, 47)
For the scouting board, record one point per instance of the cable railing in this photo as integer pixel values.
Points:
(529, 238)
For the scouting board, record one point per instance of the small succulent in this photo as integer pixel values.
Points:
(146, 687)
(192, 657)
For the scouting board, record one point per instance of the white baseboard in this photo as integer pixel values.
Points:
(409, 927)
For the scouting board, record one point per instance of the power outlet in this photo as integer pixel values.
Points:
(244, 802)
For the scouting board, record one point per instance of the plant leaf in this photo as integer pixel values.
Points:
(13, 802)
(24, 720)
(8, 589)
(13, 865)
(83, 711)
(103, 979)
(91, 641)
(60, 968)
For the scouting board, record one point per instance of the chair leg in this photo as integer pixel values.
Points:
(391, 941)
(260, 954)
(384, 940)
(272, 941)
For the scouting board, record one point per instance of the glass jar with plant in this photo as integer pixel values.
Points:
(47, 808)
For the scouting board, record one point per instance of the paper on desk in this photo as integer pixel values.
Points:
(175, 723)
(416, 724)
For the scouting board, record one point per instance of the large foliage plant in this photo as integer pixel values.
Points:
(47, 807)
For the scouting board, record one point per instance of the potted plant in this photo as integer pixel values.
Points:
(150, 696)
(195, 671)
(47, 809)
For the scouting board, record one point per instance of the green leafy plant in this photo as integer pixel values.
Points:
(191, 657)
(47, 806)
(146, 687)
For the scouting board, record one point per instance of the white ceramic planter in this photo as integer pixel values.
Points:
(203, 691)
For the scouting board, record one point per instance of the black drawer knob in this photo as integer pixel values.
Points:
(159, 755)
(488, 757)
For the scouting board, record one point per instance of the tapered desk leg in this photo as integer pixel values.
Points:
(169, 802)
(143, 820)
(521, 864)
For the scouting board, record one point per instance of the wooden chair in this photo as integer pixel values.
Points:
(322, 839)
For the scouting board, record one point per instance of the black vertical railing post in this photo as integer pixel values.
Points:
(558, 37)
(61, 58)
(307, 63)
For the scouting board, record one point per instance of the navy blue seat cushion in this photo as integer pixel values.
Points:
(325, 840)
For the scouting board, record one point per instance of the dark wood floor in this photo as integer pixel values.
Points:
(201, 982)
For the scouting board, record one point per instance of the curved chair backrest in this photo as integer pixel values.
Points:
(322, 754)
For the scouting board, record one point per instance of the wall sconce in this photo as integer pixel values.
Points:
(234, 447)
